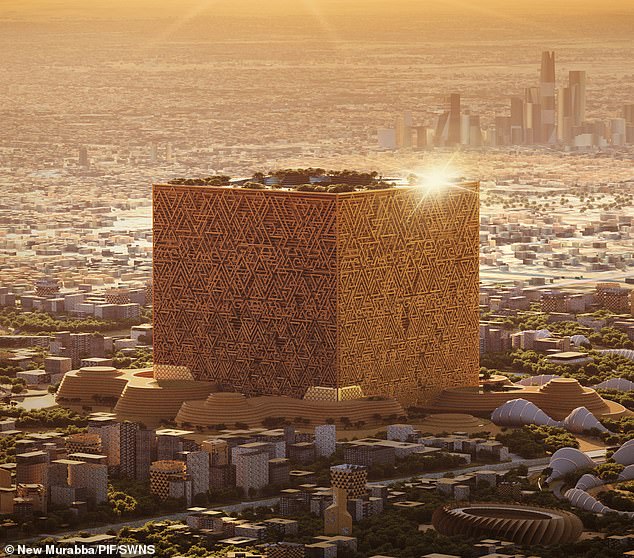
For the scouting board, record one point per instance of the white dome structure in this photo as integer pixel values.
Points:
(568, 460)
(627, 353)
(518, 412)
(542, 334)
(537, 380)
(627, 474)
(578, 340)
(625, 454)
(582, 500)
(618, 384)
(588, 481)
(581, 420)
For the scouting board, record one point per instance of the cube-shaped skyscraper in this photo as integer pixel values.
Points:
(276, 291)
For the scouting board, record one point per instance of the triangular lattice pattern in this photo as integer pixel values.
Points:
(272, 292)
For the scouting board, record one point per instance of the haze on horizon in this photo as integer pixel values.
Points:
(151, 9)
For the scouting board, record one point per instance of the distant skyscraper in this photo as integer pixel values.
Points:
(475, 131)
(564, 115)
(153, 153)
(386, 138)
(547, 97)
(532, 116)
(517, 121)
(83, 157)
(421, 136)
(628, 115)
(502, 130)
(404, 130)
(441, 134)
(577, 85)
(169, 153)
(453, 137)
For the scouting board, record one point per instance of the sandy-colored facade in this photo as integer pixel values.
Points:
(274, 291)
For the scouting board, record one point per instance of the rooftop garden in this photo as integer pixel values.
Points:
(300, 180)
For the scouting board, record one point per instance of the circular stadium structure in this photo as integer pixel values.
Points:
(520, 524)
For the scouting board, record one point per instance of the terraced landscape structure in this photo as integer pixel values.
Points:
(557, 397)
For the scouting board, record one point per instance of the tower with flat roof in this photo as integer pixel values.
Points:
(547, 97)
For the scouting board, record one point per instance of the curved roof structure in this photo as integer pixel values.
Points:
(518, 412)
(619, 384)
(521, 524)
(627, 473)
(581, 420)
(579, 340)
(542, 334)
(537, 380)
(584, 501)
(568, 460)
(627, 353)
(625, 454)
(587, 481)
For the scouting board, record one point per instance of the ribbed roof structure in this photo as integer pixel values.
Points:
(518, 412)
(588, 481)
(627, 353)
(625, 454)
(537, 380)
(577, 340)
(521, 524)
(584, 501)
(568, 460)
(619, 384)
(581, 420)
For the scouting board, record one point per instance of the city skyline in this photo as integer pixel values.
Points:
(317, 278)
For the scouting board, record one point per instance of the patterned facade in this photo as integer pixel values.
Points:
(163, 473)
(84, 443)
(276, 292)
(351, 478)
(613, 297)
(128, 449)
(92, 477)
(348, 483)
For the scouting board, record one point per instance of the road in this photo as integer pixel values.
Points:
(180, 516)
(534, 466)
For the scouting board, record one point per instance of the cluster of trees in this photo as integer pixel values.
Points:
(55, 417)
(606, 337)
(17, 384)
(534, 441)
(625, 398)
(142, 359)
(42, 322)
(623, 426)
(618, 499)
(395, 533)
(215, 180)
(132, 498)
(611, 338)
(603, 366)
(608, 472)
(7, 448)
(416, 464)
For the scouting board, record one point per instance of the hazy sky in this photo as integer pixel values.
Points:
(89, 9)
